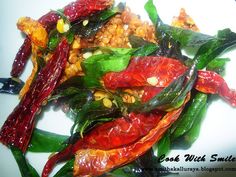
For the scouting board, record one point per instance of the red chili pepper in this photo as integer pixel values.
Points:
(115, 134)
(18, 127)
(21, 58)
(211, 82)
(141, 68)
(164, 71)
(84, 8)
(94, 162)
(74, 11)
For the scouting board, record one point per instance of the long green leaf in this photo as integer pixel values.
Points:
(25, 168)
(152, 11)
(43, 141)
(66, 170)
(187, 118)
(187, 38)
(210, 50)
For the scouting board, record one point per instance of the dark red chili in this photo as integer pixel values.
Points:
(115, 134)
(74, 11)
(21, 58)
(18, 127)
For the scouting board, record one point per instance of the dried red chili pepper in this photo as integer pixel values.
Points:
(94, 162)
(164, 71)
(211, 82)
(84, 8)
(74, 11)
(18, 127)
(21, 58)
(115, 134)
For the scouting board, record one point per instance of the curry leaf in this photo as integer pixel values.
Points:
(43, 141)
(104, 63)
(210, 50)
(151, 10)
(25, 168)
(187, 38)
(218, 65)
(66, 170)
(188, 117)
(91, 112)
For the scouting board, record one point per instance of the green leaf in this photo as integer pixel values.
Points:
(146, 50)
(97, 65)
(188, 117)
(25, 168)
(218, 65)
(54, 39)
(191, 136)
(66, 170)
(70, 91)
(137, 42)
(210, 50)
(75, 81)
(43, 141)
(152, 11)
(90, 113)
(163, 146)
(187, 38)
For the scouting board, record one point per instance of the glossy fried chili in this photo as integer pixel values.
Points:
(73, 11)
(18, 127)
(118, 133)
(164, 71)
(21, 58)
(94, 162)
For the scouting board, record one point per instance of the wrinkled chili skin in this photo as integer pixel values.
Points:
(213, 83)
(21, 58)
(115, 134)
(19, 125)
(165, 70)
(73, 11)
(95, 162)
(142, 68)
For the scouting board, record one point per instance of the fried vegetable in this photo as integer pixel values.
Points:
(43, 141)
(187, 119)
(11, 85)
(18, 127)
(210, 50)
(35, 31)
(25, 168)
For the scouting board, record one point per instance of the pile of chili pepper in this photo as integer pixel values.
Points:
(169, 94)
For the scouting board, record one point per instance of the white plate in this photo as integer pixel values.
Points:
(218, 132)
